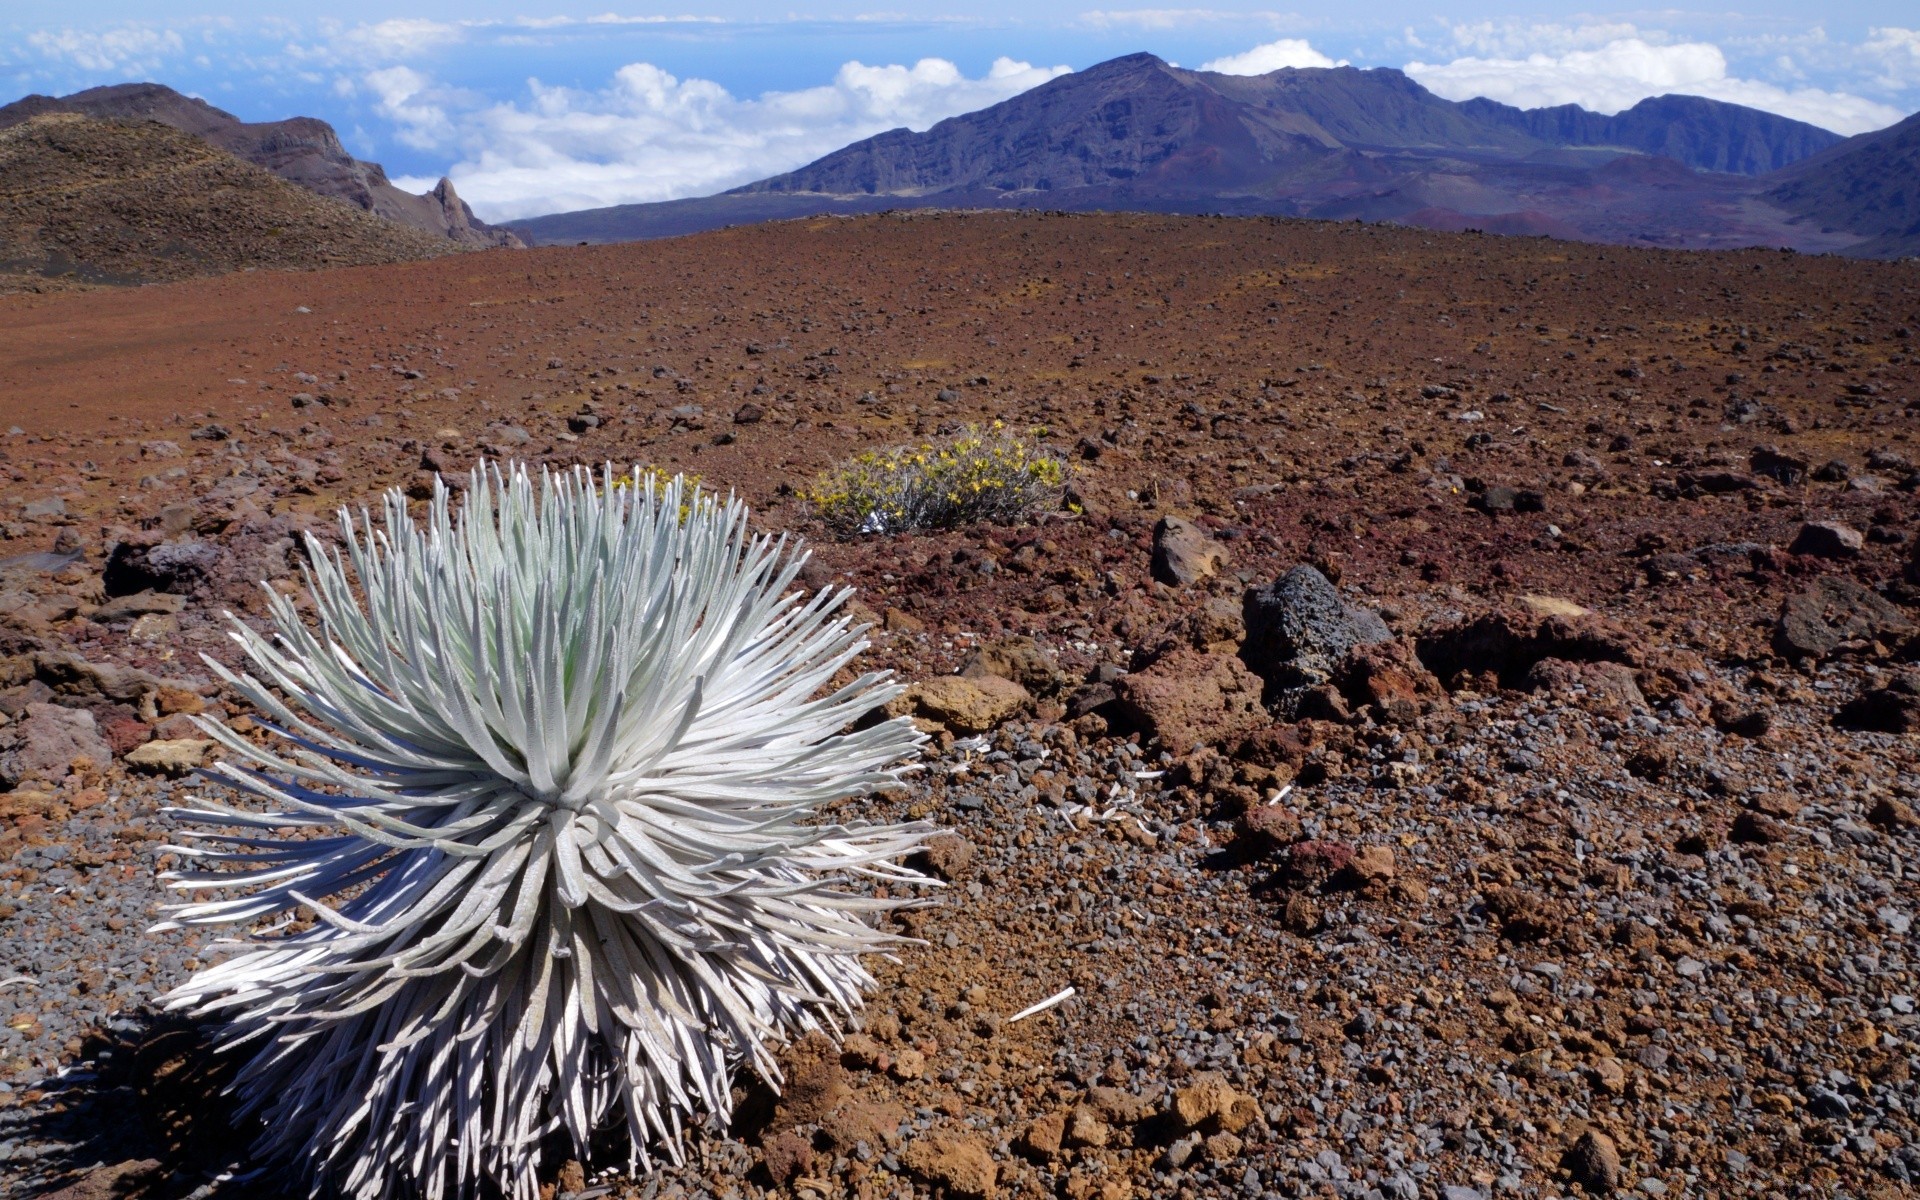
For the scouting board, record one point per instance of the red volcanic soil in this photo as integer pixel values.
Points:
(1598, 871)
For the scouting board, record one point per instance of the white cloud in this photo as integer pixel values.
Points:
(651, 136)
(1895, 53)
(1158, 20)
(417, 109)
(121, 48)
(1622, 71)
(397, 38)
(1273, 56)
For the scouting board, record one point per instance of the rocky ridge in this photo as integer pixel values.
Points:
(94, 201)
(301, 150)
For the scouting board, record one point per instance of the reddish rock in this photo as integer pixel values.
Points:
(1316, 863)
(960, 1163)
(47, 741)
(787, 1156)
(1190, 699)
(1268, 829)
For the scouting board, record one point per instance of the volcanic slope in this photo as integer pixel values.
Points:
(1598, 872)
(91, 201)
(302, 150)
(1137, 133)
(1869, 184)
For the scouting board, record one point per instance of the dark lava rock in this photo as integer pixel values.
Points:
(1742, 719)
(1593, 1162)
(1299, 628)
(141, 565)
(1753, 828)
(1827, 539)
(1503, 499)
(1778, 465)
(1835, 614)
(1894, 708)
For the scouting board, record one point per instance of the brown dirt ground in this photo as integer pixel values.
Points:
(1336, 394)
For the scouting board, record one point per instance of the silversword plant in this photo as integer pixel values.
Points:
(538, 855)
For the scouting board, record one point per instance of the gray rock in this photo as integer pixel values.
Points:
(143, 565)
(1833, 613)
(1827, 539)
(1299, 627)
(1183, 553)
(126, 608)
(46, 741)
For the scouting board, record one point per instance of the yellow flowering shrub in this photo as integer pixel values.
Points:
(654, 480)
(985, 473)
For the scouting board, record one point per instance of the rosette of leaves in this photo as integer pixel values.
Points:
(538, 852)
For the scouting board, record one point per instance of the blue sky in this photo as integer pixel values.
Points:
(537, 107)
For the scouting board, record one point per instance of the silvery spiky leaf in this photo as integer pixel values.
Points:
(546, 796)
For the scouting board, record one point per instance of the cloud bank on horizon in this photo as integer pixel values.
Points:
(541, 114)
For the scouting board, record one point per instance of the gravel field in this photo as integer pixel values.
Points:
(1449, 752)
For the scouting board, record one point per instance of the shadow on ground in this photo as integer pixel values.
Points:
(142, 1115)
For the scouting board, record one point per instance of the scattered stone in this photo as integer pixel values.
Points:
(1894, 708)
(49, 742)
(1593, 1162)
(1183, 553)
(967, 705)
(1834, 615)
(172, 757)
(1299, 627)
(1827, 539)
(1190, 699)
(960, 1163)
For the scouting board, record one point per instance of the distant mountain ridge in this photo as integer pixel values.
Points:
(1868, 184)
(1138, 133)
(301, 150)
(102, 201)
(1708, 135)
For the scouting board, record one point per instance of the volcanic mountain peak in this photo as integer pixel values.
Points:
(1139, 134)
(1141, 122)
(303, 150)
